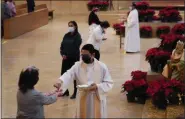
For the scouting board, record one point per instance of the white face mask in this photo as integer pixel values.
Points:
(71, 29)
(95, 12)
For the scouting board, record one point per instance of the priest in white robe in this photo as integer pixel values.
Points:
(90, 72)
(132, 38)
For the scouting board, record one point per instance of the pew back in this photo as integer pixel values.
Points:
(19, 25)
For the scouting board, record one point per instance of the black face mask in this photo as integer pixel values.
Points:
(86, 58)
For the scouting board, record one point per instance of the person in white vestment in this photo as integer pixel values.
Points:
(89, 71)
(132, 38)
(93, 20)
(98, 35)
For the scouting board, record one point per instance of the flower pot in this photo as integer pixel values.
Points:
(117, 32)
(130, 97)
(140, 99)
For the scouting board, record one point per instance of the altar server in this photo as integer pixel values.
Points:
(132, 38)
(89, 71)
(98, 35)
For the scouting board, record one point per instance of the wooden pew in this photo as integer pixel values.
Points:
(50, 12)
(22, 9)
(19, 25)
(21, 6)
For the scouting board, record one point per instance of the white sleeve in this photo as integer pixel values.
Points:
(68, 77)
(98, 35)
(132, 19)
(107, 82)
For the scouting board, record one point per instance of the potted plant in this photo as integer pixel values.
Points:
(119, 28)
(136, 88)
(157, 59)
(165, 91)
(146, 31)
(150, 14)
(169, 41)
(162, 30)
(169, 14)
(142, 5)
(102, 5)
(179, 29)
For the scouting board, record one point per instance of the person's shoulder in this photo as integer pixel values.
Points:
(103, 65)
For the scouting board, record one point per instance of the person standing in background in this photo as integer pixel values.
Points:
(11, 6)
(98, 35)
(70, 51)
(30, 5)
(132, 38)
(93, 20)
(5, 14)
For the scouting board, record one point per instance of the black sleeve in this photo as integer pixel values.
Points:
(97, 21)
(62, 47)
(78, 42)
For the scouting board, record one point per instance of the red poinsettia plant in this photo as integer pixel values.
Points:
(138, 80)
(150, 12)
(146, 31)
(156, 18)
(142, 5)
(138, 75)
(166, 91)
(179, 29)
(119, 27)
(170, 14)
(169, 41)
(102, 5)
(162, 30)
(98, 3)
(156, 53)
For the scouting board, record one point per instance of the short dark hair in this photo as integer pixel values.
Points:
(28, 78)
(88, 47)
(105, 24)
(134, 4)
(75, 24)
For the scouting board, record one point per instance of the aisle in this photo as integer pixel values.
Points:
(41, 48)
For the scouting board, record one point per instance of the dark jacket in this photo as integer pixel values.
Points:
(5, 11)
(30, 4)
(93, 18)
(70, 45)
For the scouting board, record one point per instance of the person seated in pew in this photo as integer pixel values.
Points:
(29, 100)
(5, 14)
(11, 6)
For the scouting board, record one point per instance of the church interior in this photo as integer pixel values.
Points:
(35, 38)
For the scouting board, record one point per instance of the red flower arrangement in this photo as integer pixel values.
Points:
(138, 75)
(157, 58)
(156, 53)
(170, 14)
(179, 29)
(146, 31)
(169, 41)
(119, 27)
(162, 30)
(168, 88)
(150, 12)
(142, 5)
(156, 18)
(136, 87)
(102, 5)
